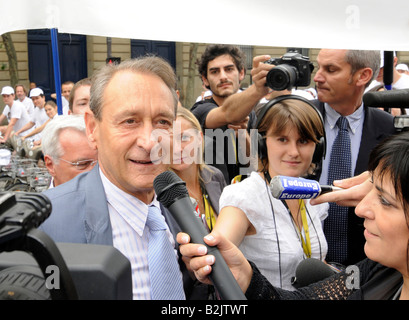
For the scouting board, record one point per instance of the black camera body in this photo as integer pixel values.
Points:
(86, 271)
(291, 70)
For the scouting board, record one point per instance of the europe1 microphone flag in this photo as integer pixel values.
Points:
(284, 187)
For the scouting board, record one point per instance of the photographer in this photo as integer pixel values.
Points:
(385, 213)
(239, 105)
(222, 68)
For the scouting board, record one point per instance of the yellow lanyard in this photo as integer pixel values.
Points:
(306, 244)
(209, 213)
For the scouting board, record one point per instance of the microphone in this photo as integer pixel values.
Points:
(172, 193)
(388, 69)
(283, 187)
(387, 99)
(310, 271)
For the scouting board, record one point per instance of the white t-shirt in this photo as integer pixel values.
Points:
(28, 103)
(65, 106)
(253, 197)
(39, 117)
(17, 110)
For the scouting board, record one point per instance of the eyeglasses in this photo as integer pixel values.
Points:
(81, 164)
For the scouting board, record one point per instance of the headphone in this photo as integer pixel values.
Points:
(320, 148)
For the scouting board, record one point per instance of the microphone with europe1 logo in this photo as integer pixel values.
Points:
(171, 191)
(283, 187)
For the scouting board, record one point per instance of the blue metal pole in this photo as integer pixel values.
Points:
(56, 63)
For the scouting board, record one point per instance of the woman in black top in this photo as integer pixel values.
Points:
(385, 208)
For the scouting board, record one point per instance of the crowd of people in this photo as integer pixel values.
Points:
(35, 130)
(100, 157)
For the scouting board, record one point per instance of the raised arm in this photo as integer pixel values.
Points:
(239, 105)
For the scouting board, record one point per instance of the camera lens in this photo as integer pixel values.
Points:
(282, 77)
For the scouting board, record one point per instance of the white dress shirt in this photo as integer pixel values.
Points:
(130, 235)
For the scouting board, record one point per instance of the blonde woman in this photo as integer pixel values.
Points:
(204, 183)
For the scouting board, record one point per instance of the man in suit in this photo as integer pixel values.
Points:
(110, 205)
(341, 79)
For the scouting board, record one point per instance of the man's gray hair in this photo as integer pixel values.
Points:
(50, 141)
(146, 64)
(359, 59)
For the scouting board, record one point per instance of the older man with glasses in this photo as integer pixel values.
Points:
(66, 150)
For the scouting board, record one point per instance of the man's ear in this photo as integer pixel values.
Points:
(91, 128)
(364, 76)
(205, 82)
(242, 74)
(49, 164)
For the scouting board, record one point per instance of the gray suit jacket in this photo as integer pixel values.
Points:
(214, 184)
(80, 215)
(80, 212)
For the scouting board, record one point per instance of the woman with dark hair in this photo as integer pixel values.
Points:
(385, 209)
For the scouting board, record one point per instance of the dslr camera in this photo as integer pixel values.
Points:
(291, 70)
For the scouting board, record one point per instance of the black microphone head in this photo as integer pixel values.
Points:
(388, 67)
(310, 271)
(387, 99)
(169, 187)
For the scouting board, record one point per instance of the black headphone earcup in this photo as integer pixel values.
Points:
(319, 152)
(262, 148)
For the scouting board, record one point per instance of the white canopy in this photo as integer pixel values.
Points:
(344, 24)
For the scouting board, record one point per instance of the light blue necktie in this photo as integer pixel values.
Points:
(165, 276)
(336, 224)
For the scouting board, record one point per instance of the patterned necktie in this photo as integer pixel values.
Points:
(336, 224)
(165, 276)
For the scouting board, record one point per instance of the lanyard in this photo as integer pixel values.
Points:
(306, 243)
(209, 213)
(209, 217)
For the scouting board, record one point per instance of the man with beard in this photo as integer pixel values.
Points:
(222, 68)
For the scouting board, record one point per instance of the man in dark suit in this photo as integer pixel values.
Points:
(341, 80)
(111, 204)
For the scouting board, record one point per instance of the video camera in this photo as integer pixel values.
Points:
(292, 70)
(78, 271)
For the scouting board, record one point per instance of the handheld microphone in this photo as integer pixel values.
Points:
(387, 99)
(283, 187)
(310, 271)
(172, 193)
